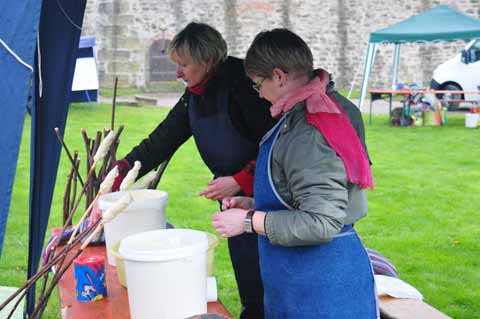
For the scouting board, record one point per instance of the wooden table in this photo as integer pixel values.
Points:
(377, 94)
(115, 306)
(393, 308)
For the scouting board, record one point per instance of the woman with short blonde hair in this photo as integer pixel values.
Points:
(227, 119)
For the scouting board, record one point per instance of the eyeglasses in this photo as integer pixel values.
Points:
(258, 85)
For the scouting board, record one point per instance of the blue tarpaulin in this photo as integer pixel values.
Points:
(18, 33)
(59, 33)
(59, 36)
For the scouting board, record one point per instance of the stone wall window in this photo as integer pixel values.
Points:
(161, 68)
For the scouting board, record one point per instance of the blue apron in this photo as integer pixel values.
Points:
(332, 280)
(221, 146)
(226, 152)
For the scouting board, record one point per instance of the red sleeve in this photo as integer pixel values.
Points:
(244, 178)
(123, 168)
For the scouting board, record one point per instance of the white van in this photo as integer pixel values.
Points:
(460, 73)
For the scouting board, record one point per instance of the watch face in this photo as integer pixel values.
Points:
(248, 221)
(208, 316)
(248, 225)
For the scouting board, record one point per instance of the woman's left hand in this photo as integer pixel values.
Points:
(230, 222)
(220, 188)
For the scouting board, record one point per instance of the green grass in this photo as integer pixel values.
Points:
(108, 92)
(165, 87)
(423, 215)
(355, 93)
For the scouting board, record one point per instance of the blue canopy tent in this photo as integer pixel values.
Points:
(85, 89)
(438, 24)
(38, 45)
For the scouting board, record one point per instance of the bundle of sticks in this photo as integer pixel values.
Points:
(58, 258)
(74, 177)
(92, 187)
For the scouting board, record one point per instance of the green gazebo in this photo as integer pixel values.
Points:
(438, 24)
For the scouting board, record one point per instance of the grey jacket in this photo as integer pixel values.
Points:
(310, 177)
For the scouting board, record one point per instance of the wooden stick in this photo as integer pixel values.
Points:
(159, 174)
(70, 216)
(96, 180)
(76, 205)
(45, 295)
(66, 195)
(93, 182)
(96, 143)
(92, 169)
(101, 171)
(73, 193)
(97, 230)
(48, 266)
(114, 103)
(77, 163)
(60, 272)
(89, 208)
(46, 275)
(43, 300)
(69, 219)
(84, 216)
(60, 138)
(89, 160)
(84, 190)
(88, 194)
(110, 157)
(86, 141)
(37, 312)
(15, 306)
(61, 256)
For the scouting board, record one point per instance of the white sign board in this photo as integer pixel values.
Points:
(85, 76)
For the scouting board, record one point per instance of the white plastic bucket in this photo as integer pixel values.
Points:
(166, 273)
(471, 120)
(212, 243)
(146, 212)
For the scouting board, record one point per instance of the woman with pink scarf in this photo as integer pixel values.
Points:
(310, 180)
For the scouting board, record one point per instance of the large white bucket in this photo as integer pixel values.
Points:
(146, 212)
(471, 120)
(166, 273)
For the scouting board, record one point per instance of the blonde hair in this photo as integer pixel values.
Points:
(200, 42)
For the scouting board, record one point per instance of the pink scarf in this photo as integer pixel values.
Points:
(329, 118)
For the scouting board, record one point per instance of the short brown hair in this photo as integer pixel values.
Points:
(278, 48)
(200, 42)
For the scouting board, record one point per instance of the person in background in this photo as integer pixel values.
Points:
(310, 177)
(227, 119)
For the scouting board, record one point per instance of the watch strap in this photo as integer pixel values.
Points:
(248, 222)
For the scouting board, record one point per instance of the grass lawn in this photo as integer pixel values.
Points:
(423, 215)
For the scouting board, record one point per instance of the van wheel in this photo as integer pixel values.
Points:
(447, 96)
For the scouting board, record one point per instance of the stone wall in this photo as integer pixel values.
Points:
(336, 30)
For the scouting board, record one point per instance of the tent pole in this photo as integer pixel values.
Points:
(396, 60)
(359, 65)
(370, 57)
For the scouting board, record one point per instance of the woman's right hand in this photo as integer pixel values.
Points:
(237, 202)
(95, 215)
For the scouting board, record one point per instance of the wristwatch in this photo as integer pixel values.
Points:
(248, 222)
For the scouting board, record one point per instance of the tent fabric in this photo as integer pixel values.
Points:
(59, 37)
(438, 24)
(18, 32)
